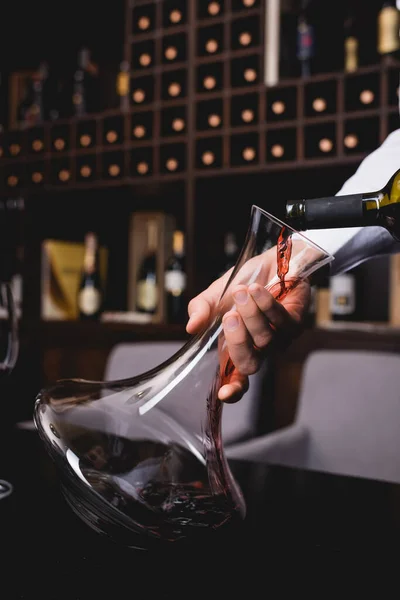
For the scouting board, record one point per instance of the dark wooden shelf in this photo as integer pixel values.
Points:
(55, 332)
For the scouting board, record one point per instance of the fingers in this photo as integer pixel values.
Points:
(254, 315)
(240, 344)
(201, 307)
(235, 389)
(275, 313)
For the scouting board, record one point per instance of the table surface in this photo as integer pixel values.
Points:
(48, 552)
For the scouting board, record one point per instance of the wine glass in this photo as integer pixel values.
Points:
(9, 345)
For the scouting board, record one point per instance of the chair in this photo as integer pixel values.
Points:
(347, 422)
(239, 421)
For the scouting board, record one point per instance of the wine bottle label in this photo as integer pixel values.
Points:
(388, 36)
(175, 282)
(342, 295)
(305, 41)
(89, 300)
(147, 295)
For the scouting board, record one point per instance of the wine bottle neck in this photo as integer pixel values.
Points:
(355, 210)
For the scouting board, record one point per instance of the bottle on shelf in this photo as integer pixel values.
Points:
(305, 41)
(90, 294)
(389, 30)
(231, 251)
(85, 93)
(175, 281)
(379, 208)
(123, 81)
(342, 294)
(147, 288)
(31, 110)
(351, 45)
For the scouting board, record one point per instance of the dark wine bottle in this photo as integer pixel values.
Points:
(175, 281)
(305, 41)
(147, 292)
(85, 85)
(90, 295)
(389, 30)
(380, 208)
(31, 110)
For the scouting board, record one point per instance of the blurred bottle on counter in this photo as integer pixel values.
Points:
(147, 285)
(90, 294)
(175, 281)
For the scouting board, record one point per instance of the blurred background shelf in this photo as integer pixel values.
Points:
(178, 119)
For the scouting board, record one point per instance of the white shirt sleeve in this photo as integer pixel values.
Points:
(352, 245)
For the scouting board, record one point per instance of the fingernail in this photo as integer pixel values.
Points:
(255, 292)
(241, 297)
(231, 323)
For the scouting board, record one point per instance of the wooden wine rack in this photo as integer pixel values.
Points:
(57, 155)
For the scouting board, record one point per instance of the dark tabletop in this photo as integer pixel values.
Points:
(292, 515)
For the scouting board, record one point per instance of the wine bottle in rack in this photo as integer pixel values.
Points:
(209, 114)
(147, 288)
(174, 48)
(238, 5)
(208, 9)
(244, 149)
(305, 41)
(351, 45)
(174, 13)
(244, 110)
(245, 33)
(86, 134)
(142, 125)
(143, 55)
(172, 158)
(320, 140)
(175, 281)
(245, 71)
(281, 145)
(142, 90)
(389, 30)
(173, 121)
(113, 130)
(210, 40)
(123, 81)
(210, 77)
(174, 84)
(90, 295)
(143, 19)
(142, 161)
(209, 153)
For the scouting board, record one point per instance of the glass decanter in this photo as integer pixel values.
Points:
(141, 460)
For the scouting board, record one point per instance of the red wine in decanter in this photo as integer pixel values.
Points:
(283, 255)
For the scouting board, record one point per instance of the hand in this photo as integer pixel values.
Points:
(249, 329)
